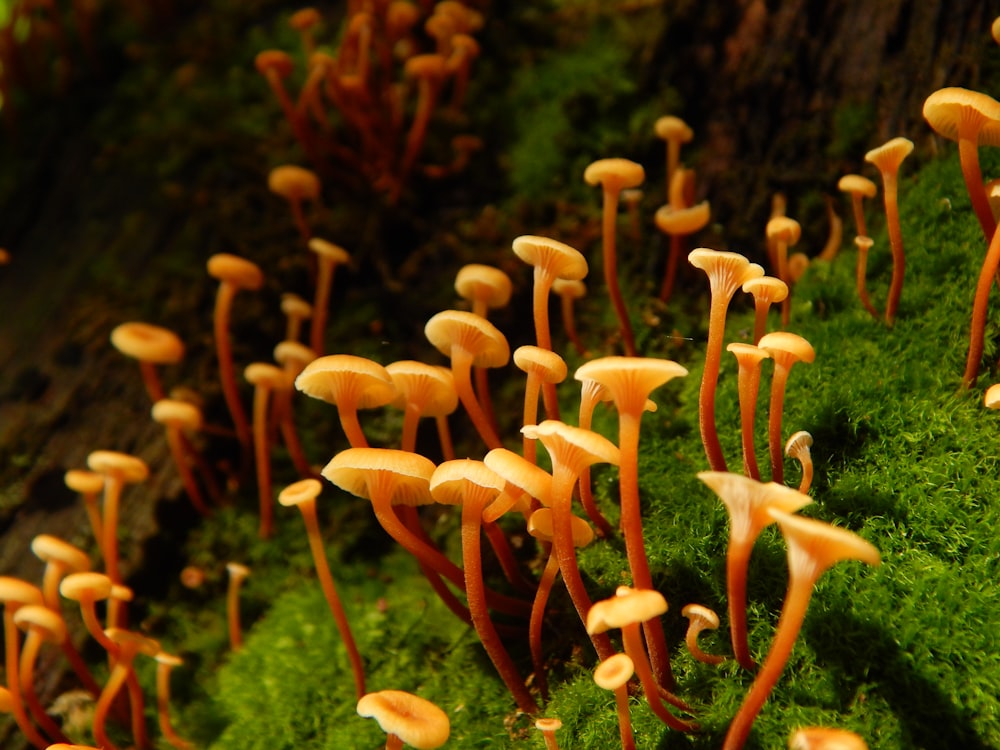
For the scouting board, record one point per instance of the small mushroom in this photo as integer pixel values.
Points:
(700, 618)
(613, 674)
(238, 572)
(406, 719)
(797, 447)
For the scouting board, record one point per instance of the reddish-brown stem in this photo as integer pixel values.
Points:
(857, 205)
(505, 556)
(262, 459)
(889, 193)
(709, 381)
(227, 372)
(119, 673)
(163, 670)
(610, 259)
(748, 385)
(151, 379)
(775, 409)
(737, 559)
(321, 304)
(968, 156)
(330, 593)
(588, 399)
(545, 584)
(12, 647)
(461, 366)
(112, 498)
(977, 329)
(632, 641)
(482, 388)
(29, 653)
(444, 437)
(233, 623)
(569, 324)
(670, 271)
(624, 718)
(176, 444)
(543, 333)
(861, 271)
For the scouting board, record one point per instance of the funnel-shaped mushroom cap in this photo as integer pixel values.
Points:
(672, 128)
(235, 270)
(946, 108)
(402, 476)
(303, 491)
(52, 549)
(548, 366)
(856, 183)
(454, 481)
(702, 614)
(726, 271)
(452, 330)
(38, 617)
(798, 444)
(293, 182)
(183, 414)
(293, 305)
(344, 379)
(614, 671)
(521, 473)
(749, 500)
(327, 251)
(80, 586)
(431, 67)
(130, 640)
(556, 259)
(814, 546)
(629, 380)
(890, 154)
(766, 289)
(417, 722)
(130, 469)
(265, 374)
(148, 343)
(614, 174)
(487, 284)
(627, 607)
(747, 353)
(540, 527)
(431, 389)
(682, 221)
(574, 447)
(787, 347)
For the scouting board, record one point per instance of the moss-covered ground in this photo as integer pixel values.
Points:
(904, 654)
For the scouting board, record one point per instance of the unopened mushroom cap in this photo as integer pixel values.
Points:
(571, 444)
(429, 388)
(992, 397)
(947, 107)
(416, 721)
(404, 476)
(171, 411)
(520, 472)
(469, 332)
(614, 174)
(626, 607)
(683, 221)
(148, 343)
(825, 738)
(614, 671)
(129, 639)
(130, 469)
(52, 549)
(890, 154)
(15, 592)
(766, 289)
(630, 380)
(235, 270)
(557, 259)
(783, 228)
(569, 288)
(45, 621)
(489, 284)
(454, 481)
(548, 366)
(670, 127)
(84, 481)
(540, 527)
(346, 378)
(303, 491)
(787, 346)
(275, 60)
(293, 182)
(856, 183)
(80, 586)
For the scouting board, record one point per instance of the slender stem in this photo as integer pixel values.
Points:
(118, 675)
(262, 458)
(968, 156)
(775, 410)
(857, 205)
(670, 271)
(860, 274)
(151, 379)
(461, 366)
(760, 310)
(611, 269)
(748, 385)
(163, 708)
(545, 585)
(444, 437)
(227, 373)
(321, 304)
(737, 559)
(542, 284)
(352, 427)
(977, 330)
(624, 717)
(505, 556)
(12, 647)
(588, 399)
(233, 611)
(632, 641)
(529, 416)
(411, 418)
(112, 499)
(709, 381)
(29, 654)
(569, 324)
(184, 469)
(781, 252)
(896, 245)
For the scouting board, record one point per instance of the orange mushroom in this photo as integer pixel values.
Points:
(164, 665)
(177, 416)
(151, 346)
(296, 185)
(406, 719)
(785, 349)
(41, 624)
(329, 257)
(864, 245)
(748, 358)
(15, 593)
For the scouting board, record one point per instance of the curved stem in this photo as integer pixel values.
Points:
(860, 273)
(444, 437)
(163, 708)
(857, 205)
(737, 559)
(12, 647)
(709, 381)
(32, 644)
(227, 373)
(545, 584)
(505, 556)
(977, 330)
(352, 427)
(632, 641)
(112, 499)
(569, 324)
(118, 675)
(624, 718)
(670, 270)
(184, 469)
(968, 156)
(611, 269)
(588, 399)
(461, 367)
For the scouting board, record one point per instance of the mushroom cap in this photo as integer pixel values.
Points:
(293, 355)
(428, 387)
(573, 446)
(293, 305)
(148, 343)
(130, 469)
(863, 243)
(453, 482)
(15, 592)
(84, 481)
(569, 288)
(798, 264)
(432, 67)
(540, 527)
(748, 501)
(304, 18)
(265, 375)
(466, 45)
(783, 228)
(747, 354)
(415, 720)
(341, 379)
(798, 444)
(80, 586)
(683, 221)
(488, 284)
(946, 108)
(814, 546)
(726, 271)
(237, 571)
(615, 174)
(630, 380)
(302, 491)
(856, 183)
(404, 476)
(548, 366)
(627, 607)
(825, 738)
(992, 397)
(614, 671)
(702, 614)
(328, 251)
(672, 128)
(293, 182)
(130, 640)
(521, 473)
(40, 618)
(769, 289)
(787, 347)
(52, 549)
(275, 60)
(458, 329)
(548, 724)
(170, 660)
(890, 154)
(556, 259)
(172, 411)
(232, 269)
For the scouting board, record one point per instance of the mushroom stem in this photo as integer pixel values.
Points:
(444, 437)
(461, 367)
(12, 647)
(227, 371)
(237, 574)
(774, 418)
(737, 559)
(609, 256)
(176, 443)
(977, 329)
(545, 584)
(889, 192)
(968, 156)
(864, 244)
(589, 396)
(505, 556)
(26, 675)
(709, 382)
(632, 641)
(262, 453)
(543, 334)
(164, 664)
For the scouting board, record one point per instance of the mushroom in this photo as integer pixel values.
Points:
(464, 49)
(164, 665)
(303, 494)
(591, 392)
(614, 175)
(613, 674)
(626, 610)
(265, 378)
(629, 381)
(89, 485)
(569, 290)
(296, 185)
(429, 70)
(41, 624)
(470, 341)
(406, 719)
(678, 223)
(977, 329)
(424, 391)
(864, 244)
(674, 131)
(747, 501)
(328, 256)
(304, 21)
(234, 273)
(296, 310)
(748, 358)
(548, 727)
(238, 572)
(15, 593)
(700, 618)
(276, 65)
(349, 383)
(293, 357)
(858, 187)
(813, 546)
(473, 485)
(785, 349)
(177, 416)
(129, 645)
(541, 366)
(887, 159)
(782, 233)
(797, 447)
(726, 272)
(151, 346)
(825, 738)
(766, 290)
(971, 118)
